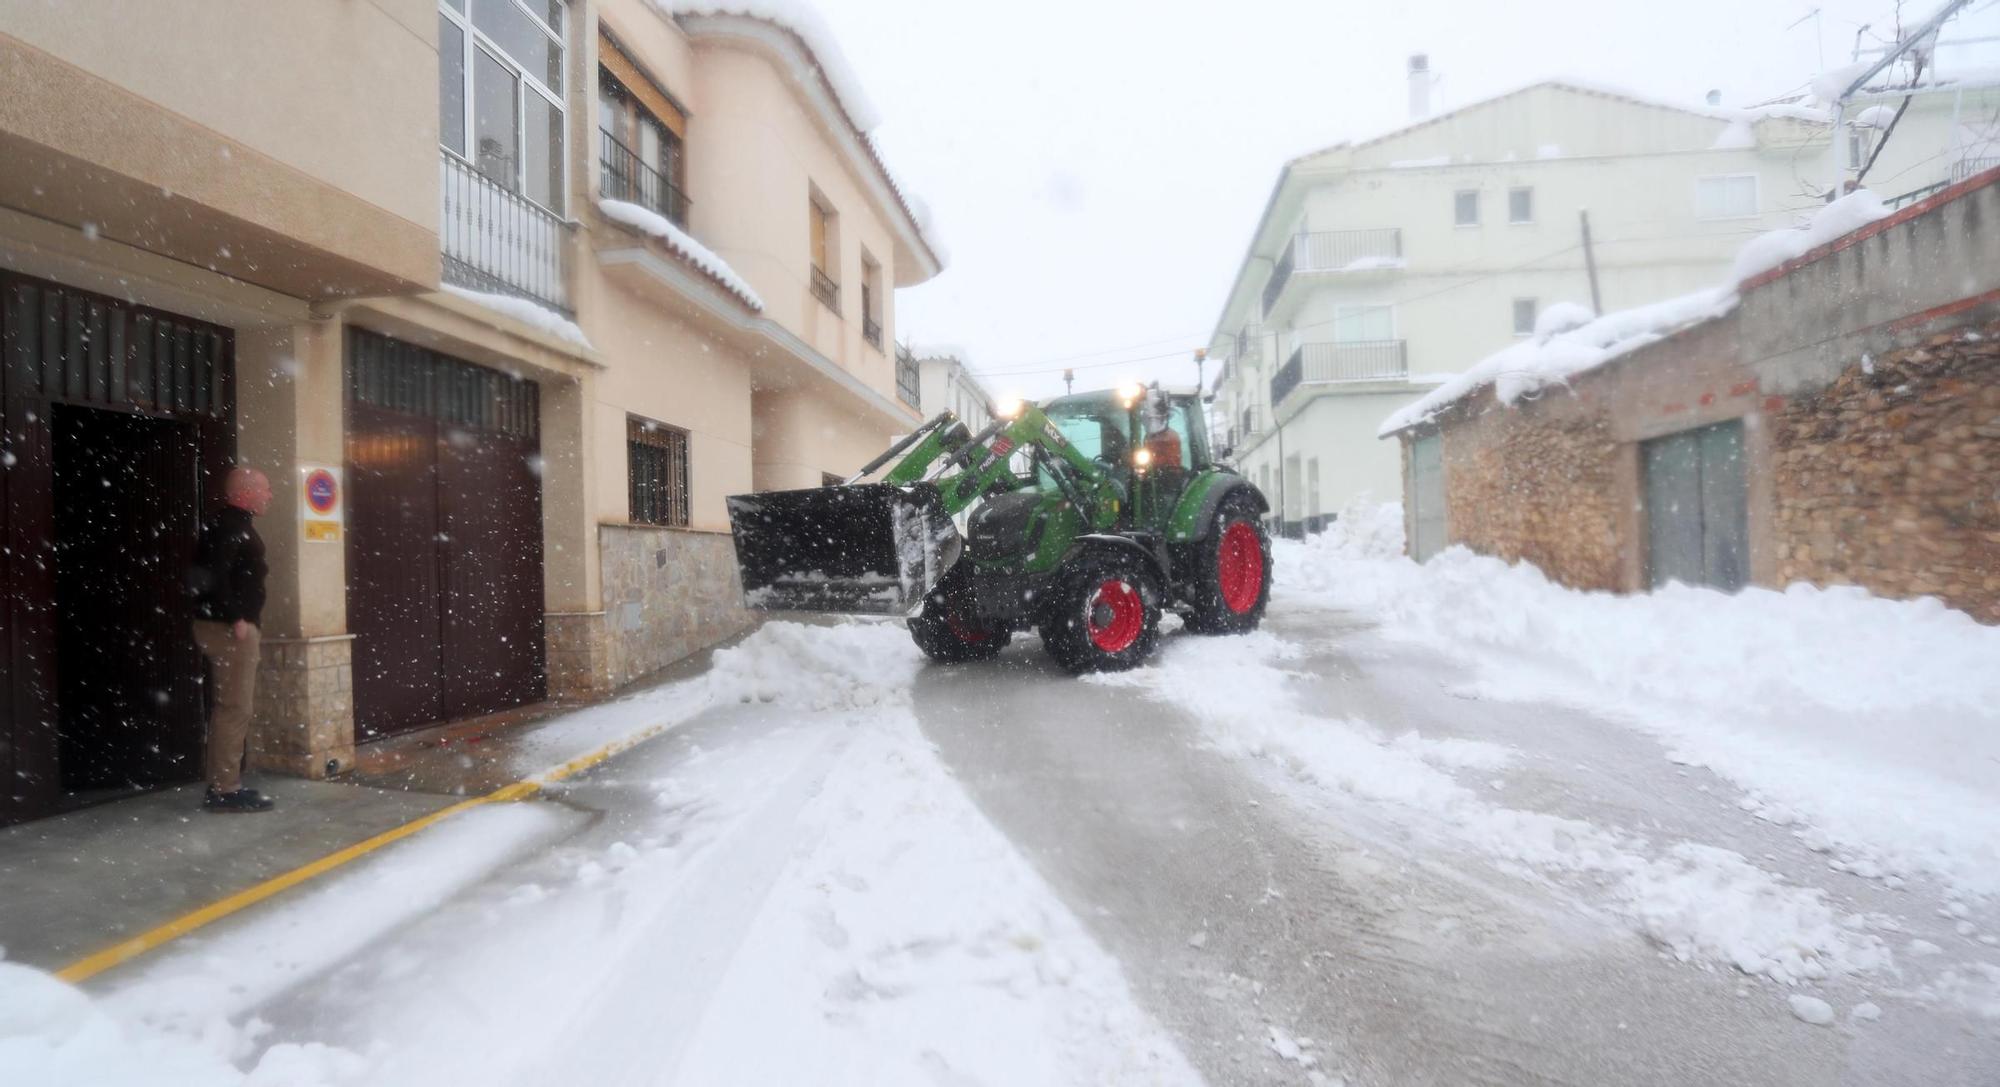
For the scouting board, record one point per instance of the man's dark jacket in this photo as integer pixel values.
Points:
(228, 574)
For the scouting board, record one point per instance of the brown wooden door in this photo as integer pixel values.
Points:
(444, 537)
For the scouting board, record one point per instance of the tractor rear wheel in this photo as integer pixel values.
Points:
(1103, 614)
(948, 631)
(1232, 571)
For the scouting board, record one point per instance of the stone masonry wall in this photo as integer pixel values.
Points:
(667, 593)
(1523, 483)
(1890, 477)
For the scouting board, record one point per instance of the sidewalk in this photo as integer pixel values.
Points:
(74, 884)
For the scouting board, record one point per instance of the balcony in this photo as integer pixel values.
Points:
(1340, 363)
(826, 290)
(500, 242)
(627, 177)
(1346, 251)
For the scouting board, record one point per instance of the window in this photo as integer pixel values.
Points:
(1465, 207)
(825, 245)
(1520, 205)
(1524, 316)
(1731, 196)
(641, 129)
(1364, 324)
(500, 83)
(908, 378)
(871, 300)
(656, 461)
(1857, 150)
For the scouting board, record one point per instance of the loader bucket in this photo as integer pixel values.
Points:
(866, 549)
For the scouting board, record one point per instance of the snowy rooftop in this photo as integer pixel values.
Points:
(1568, 341)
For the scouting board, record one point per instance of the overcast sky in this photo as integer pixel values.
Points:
(1095, 166)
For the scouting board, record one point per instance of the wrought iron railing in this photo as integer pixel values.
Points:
(871, 330)
(1348, 250)
(1334, 251)
(1280, 272)
(1965, 168)
(1330, 363)
(826, 290)
(630, 178)
(499, 241)
(1915, 195)
(909, 378)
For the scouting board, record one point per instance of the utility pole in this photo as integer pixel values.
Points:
(1590, 263)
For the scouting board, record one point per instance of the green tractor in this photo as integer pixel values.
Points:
(1084, 518)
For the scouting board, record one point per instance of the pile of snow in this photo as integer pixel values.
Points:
(1844, 216)
(803, 19)
(1875, 117)
(1365, 529)
(682, 243)
(1561, 349)
(1870, 726)
(1828, 86)
(528, 313)
(1542, 360)
(1700, 903)
(849, 665)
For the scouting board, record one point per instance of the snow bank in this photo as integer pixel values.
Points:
(1870, 726)
(1554, 354)
(682, 243)
(1534, 364)
(528, 313)
(1699, 903)
(1844, 216)
(849, 665)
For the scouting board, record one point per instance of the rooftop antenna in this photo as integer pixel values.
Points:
(1818, 37)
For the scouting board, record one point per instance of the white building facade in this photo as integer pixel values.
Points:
(1381, 266)
(945, 382)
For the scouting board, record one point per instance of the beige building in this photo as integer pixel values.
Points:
(505, 295)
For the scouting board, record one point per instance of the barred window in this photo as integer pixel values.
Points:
(657, 464)
(907, 377)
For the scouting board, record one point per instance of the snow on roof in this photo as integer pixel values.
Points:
(1568, 341)
(684, 245)
(804, 22)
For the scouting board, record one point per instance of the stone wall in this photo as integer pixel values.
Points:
(1890, 477)
(667, 593)
(303, 719)
(1524, 483)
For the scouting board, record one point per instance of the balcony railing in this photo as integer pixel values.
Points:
(1965, 168)
(871, 330)
(1334, 251)
(628, 177)
(499, 241)
(826, 290)
(1332, 363)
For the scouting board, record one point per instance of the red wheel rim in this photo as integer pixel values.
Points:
(1116, 614)
(969, 633)
(1240, 567)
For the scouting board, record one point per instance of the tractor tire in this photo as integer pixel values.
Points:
(946, 632)
(1232, 571)
(1103, 614)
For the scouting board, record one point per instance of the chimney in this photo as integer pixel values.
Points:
(1420, 86)
(1715, 98)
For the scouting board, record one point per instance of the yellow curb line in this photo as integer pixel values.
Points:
(85, 968)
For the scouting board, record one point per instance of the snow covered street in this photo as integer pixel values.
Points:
(1401, 835)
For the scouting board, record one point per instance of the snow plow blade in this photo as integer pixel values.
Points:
(866, 549)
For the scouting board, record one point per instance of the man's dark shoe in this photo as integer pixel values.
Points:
(242, 800)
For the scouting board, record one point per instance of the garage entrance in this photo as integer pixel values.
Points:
(116, 417)
(444, 551)
(1697, 508)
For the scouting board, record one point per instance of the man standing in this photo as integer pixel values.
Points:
(228, 584)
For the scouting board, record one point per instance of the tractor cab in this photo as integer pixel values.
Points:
(1151, 441)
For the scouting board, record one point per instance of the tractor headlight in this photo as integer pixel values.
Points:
(1142, 459)
(1009, 407)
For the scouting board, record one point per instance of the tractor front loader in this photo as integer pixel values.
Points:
(1083, 519)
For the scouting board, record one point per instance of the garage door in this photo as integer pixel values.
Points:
(444, 551)
(1697, 508)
